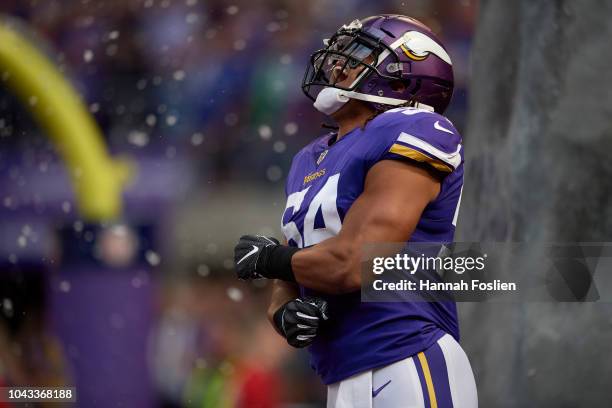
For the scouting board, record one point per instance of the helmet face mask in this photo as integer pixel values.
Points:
(391, 61)
(346, 50)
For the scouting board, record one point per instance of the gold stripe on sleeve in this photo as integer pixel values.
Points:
(420, 157)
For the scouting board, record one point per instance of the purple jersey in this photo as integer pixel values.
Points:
(323, 183)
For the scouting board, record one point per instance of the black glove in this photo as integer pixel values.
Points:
(248, 252)
(257, 256)
(300, 320)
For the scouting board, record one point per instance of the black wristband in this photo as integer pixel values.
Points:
(274, 262)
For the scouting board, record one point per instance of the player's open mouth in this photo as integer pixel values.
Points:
(339, 75)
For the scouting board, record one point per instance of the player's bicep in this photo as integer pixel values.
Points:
(394, 197)
(388, 210)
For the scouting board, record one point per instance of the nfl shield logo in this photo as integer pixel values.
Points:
(321, 157)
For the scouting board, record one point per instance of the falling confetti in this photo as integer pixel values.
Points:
(152, 258)
(197, 139)
(138, 138)
(171, 120)
(7, 307)
(203, 270)
(64, 286)
(179, 75)
(151, 120)
(291, 128)
(265, 132)
(88, 55)
(234, 294)
(279, 146)
(274, 173)
(66, 207)
(78, 226)
(191, 18)
(22, 241)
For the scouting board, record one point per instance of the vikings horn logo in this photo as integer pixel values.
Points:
(417, 46)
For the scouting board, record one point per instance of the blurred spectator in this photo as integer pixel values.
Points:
(217, 81)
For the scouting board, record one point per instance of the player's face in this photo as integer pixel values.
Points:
(346, 62)
(345, 74)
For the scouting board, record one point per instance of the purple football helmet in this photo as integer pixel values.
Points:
(402, 63)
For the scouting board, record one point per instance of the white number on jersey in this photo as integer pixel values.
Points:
(325, 200)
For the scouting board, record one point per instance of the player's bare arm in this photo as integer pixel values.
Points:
(296, 318)
(282, 292)
(383, 213)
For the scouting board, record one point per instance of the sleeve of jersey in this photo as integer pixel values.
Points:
(426, 138)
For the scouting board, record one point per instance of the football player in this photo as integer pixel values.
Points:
(392, 172)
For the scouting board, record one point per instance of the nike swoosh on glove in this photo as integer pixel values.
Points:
(248, 252)
(300, 320)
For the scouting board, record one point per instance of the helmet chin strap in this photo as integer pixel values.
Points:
(330, 100)
(382, 100)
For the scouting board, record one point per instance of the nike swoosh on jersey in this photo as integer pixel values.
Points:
(251, 252)
(438, 126)
(379, 389)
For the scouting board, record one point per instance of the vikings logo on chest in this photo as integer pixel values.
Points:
(313, 176)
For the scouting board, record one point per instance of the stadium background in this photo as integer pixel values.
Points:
(204, 99)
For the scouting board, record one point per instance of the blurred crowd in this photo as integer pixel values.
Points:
(217, 82)
(206, 95)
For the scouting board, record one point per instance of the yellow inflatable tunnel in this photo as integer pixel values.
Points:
(98, 179)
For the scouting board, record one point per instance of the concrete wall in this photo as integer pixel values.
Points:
(539, 168)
